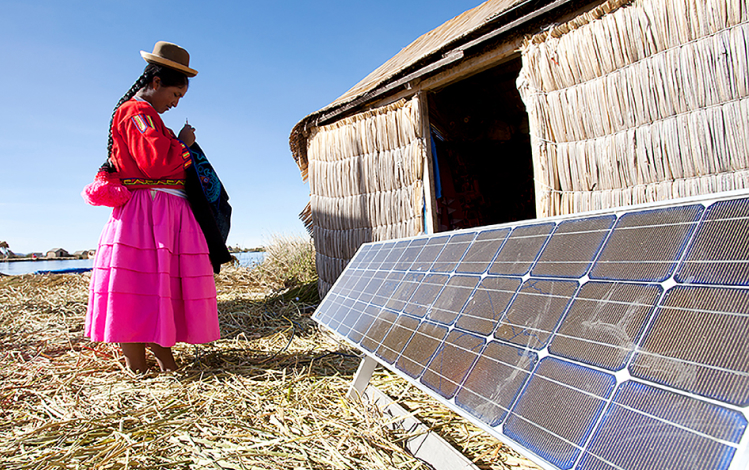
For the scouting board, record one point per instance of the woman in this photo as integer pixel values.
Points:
(152, 283)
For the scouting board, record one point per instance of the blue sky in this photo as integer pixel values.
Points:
(263, 66)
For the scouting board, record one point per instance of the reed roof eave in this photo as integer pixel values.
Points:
(431, 50)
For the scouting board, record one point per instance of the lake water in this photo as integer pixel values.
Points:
(248, 259)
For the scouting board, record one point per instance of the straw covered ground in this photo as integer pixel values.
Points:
(269, 395)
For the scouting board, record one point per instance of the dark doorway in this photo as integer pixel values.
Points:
(482, 150)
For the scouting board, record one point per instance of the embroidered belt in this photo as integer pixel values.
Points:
(149, 182)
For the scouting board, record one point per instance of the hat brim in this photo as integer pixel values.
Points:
(154, 59)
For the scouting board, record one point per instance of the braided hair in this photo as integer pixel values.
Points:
(168, 76)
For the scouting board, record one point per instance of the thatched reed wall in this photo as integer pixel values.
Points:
(365, 176)
(639, 101)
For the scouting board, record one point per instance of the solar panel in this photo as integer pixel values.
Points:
(607, 341)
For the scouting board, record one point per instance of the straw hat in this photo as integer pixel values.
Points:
(170, 55)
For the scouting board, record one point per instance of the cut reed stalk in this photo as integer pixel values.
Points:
(268, 395)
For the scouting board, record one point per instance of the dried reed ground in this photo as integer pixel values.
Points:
(269, 395)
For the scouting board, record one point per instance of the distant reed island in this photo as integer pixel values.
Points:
(53, 254)
(6, 254)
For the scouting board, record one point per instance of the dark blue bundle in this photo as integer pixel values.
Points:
(210, 205)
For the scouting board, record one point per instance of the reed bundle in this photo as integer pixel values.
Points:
(306, 217)
(639, 101)
(365, 176)
(269, 395)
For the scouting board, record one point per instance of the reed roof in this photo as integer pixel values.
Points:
(429, 47)
(428, 44)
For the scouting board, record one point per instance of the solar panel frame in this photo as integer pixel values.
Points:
(472, 353)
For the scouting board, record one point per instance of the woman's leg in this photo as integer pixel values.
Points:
(164, 357)
(135, 356)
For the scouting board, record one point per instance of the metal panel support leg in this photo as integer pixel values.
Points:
(423, 444)
(361, 379)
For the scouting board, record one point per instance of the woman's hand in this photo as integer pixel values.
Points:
(187, 135)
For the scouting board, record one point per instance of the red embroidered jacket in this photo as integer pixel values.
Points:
(145, 151)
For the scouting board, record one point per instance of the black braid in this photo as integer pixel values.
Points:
(142, 81)
(169, 77)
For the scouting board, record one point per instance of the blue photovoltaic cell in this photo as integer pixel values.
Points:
(363, 322)
(452, 253)
(378, 329)
(720, 249)
(347, 322)
(404, 291)
(482, 251)
(380, 255)
(645, 245)
(423, 344)
(450, 365)
(387, 288)
(429, 253)
(425, 294)
(344, 287)
(578, 395)
(339, 309)
(521, 249)
(581, 341)
(698, 343)
(678, 432)
(604, 323)
(409, 254)
(363, 256)
(573, 247)
(495, 381)
(488, 303)
(356, 284)
(397, 338)
(452, 298)
(535, 312)
(393, 255)
(369, 285)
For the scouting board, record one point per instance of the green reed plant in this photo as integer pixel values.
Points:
(289, 267)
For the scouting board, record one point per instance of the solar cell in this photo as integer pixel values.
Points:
(610, 340)
(482, 251)
(578, 395)
(573, 246)
(720, 250)
(424, 294)
(396, 338)
(422, 345)
(521, 249)
(535, 311)
(604, 323)
(450, 364)
(453, 296)
(698, 343)
(404, 291)
(494, 383)
(672, 431)
(432, 249)
(487, 304)
(645, 245)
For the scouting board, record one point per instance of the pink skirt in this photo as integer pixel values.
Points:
(152, 280)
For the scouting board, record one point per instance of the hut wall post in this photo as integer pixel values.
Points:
(430, 196)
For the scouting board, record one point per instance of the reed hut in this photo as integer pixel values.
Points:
(519, 109)
(57, 253)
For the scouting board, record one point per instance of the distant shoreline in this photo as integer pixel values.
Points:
(69, 258)
(61, 258)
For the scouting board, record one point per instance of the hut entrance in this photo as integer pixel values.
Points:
(482, 150)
